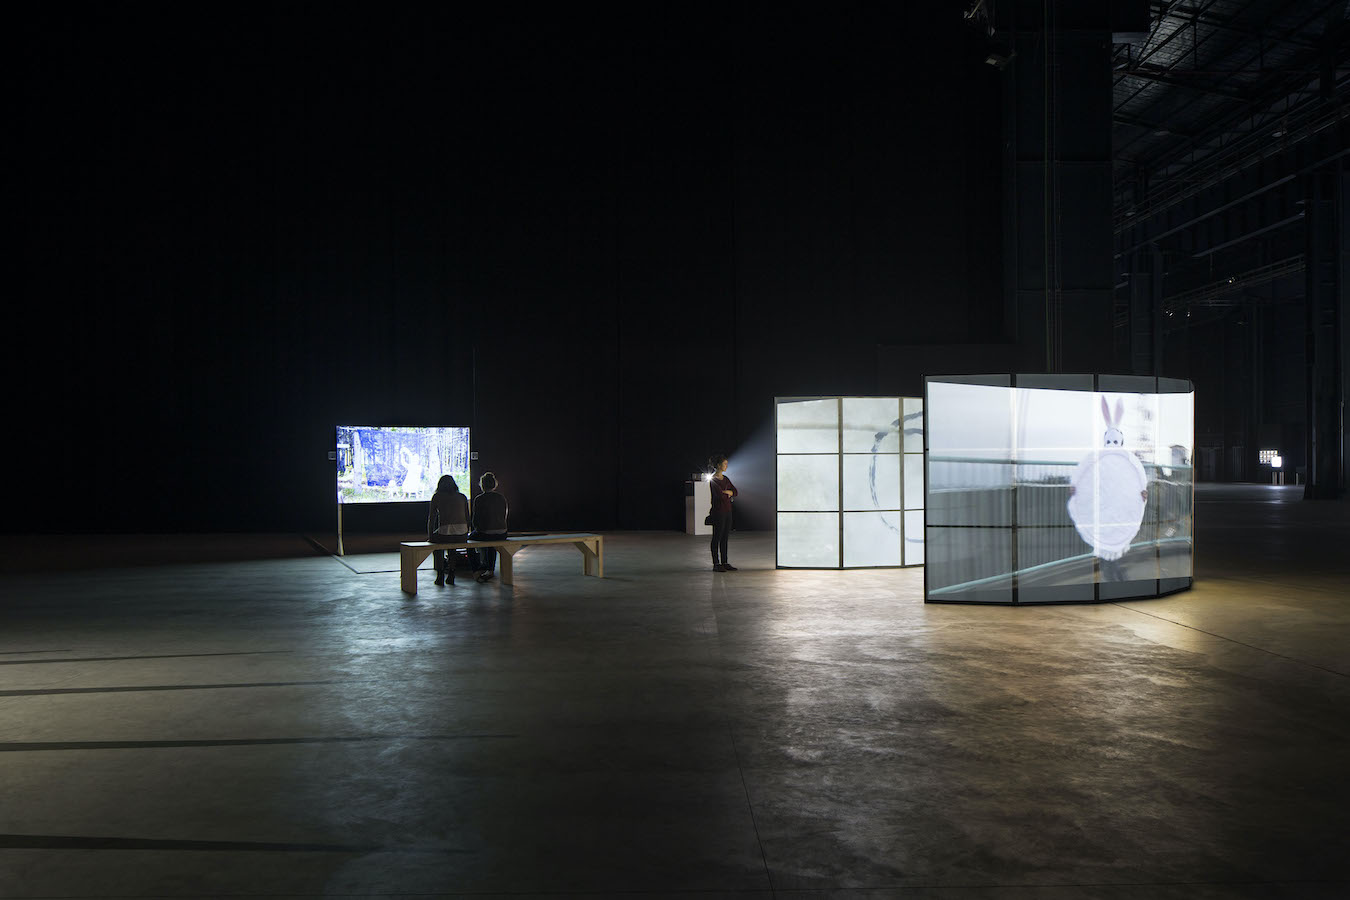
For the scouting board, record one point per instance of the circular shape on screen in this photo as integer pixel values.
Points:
(1107, 506)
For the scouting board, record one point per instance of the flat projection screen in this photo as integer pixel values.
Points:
(398, 464)
(1058, 488)
(849, 482)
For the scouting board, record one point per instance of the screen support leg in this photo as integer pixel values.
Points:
(340, 553)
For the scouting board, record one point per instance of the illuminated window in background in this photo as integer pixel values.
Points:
(849, 482)
(1268, 456)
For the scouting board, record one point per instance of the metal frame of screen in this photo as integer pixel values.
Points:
(997, 523)
(849, 476)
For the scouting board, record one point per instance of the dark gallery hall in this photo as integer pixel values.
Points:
(388, 376)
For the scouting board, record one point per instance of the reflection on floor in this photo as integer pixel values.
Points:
(290, 727)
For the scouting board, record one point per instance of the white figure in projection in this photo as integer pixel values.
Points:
(1107, 494)
(412, 480)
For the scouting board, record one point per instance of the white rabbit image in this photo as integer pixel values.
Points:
(1107, 494)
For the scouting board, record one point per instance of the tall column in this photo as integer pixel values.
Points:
(1327, 197)
(1057, 211)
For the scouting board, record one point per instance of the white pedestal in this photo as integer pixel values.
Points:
(696, 505)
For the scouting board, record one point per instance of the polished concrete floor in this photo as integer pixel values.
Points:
(293, 725)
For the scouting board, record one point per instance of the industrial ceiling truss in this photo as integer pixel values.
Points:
(1217, 113)
(1216, 80)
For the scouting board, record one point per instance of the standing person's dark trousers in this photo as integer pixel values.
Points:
(721, 523)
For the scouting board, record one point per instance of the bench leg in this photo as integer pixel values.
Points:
(409, 558)
(505, 555)
(592, 557)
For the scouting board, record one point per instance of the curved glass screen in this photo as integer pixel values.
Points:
(1058, 488)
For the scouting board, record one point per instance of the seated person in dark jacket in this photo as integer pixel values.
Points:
(447, 523)
(489, 522)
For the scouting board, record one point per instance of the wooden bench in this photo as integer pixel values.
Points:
(413, 553)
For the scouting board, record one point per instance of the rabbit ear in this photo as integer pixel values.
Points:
(1120, 412)
(1106, 411)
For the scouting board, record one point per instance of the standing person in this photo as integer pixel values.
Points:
(722, 491)
(489, 522)
(447, 523)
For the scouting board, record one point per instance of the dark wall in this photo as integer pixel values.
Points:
(607, 249)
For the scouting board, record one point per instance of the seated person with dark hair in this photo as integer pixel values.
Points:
(489, 523)
(447, 523)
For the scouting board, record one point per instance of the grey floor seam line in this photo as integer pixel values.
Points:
(357, 738)
(86, 842)
(50, 746)
(23, 652)
(580, 892)
(1232, 640)
(76, 659)
(150, 688)
(365, 895)
(750, 806)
